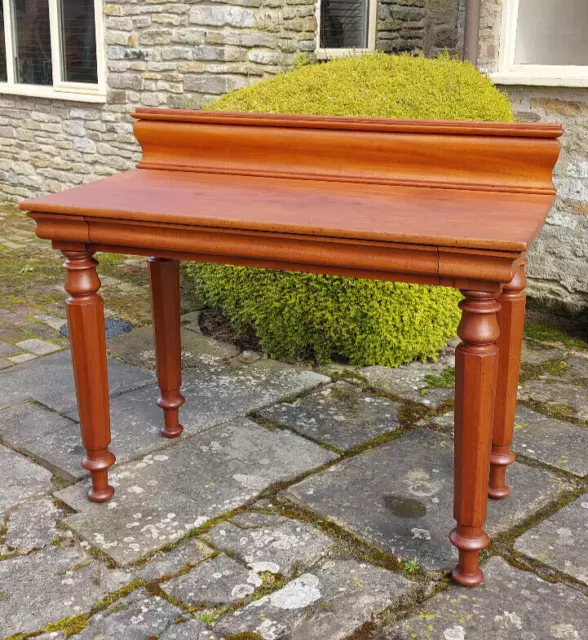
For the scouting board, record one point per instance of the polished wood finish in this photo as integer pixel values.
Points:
(164, 281)
(511, 320)
(457, 204)
(476, 368)
(85, 316)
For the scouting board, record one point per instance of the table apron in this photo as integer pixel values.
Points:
(483, 270)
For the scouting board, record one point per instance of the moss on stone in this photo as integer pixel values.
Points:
(314, 316)
(554, 335)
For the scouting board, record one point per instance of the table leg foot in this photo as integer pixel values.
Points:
(467, 573)
(476, 367)
(171, 406)
(511, 320)
(98, 463)
(85, 314)
(164, 281)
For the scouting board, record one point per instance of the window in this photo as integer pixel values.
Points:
(345, 26)
(48, 48)
(544, 42)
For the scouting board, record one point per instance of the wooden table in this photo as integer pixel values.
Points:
(456, 204)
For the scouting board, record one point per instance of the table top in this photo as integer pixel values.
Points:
(401, 214)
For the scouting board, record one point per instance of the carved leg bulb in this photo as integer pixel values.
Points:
(164, 279)
(476, 366)
(85, 314)
(511, 320)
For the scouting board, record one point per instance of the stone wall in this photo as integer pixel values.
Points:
(164, 53)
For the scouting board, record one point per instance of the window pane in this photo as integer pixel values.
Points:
(552, 32)
(344, 24)
(33, 42)
(3, 77)
(79, 41)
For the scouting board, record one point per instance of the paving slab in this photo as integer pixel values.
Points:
(49, 380)
(190, 630)
(38, 347)
(411, 381)
(5, 364)
(339, 414)
(557, 393)
(225, 392)
(540, 437)
(138, 616)
(163, 564)
(214, 393)
(25, 422)
(554, 442)
(270, 543)
(55, 442)
(21, 479)
(331, 601)
(51, 584)
(136, 420)
(163, 496)
(218, 582)
(399, 496)
(538, 353)
(7, 349)
(578, 368)
(33, 525)
(21, 358)
(561, 541)
(137, 348)
(510, 605)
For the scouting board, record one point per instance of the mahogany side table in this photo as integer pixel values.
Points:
(456, 204)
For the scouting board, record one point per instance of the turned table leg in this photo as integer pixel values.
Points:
(476, 366)
(164, 279)
(85, 314)
(511, 320)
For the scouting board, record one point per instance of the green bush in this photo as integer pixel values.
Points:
(368, 322)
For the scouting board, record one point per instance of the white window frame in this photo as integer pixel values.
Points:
(530, 74)
(60, 90)
(323, 53)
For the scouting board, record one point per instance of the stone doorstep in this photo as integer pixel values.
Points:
(399, 497)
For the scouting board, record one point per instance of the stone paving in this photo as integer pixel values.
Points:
(299, 504)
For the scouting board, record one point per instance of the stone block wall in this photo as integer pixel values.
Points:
(161, 53)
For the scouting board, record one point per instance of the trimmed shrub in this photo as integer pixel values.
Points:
(367, 322)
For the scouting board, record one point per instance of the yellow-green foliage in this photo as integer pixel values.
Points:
(368, 322)
(377, 85)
